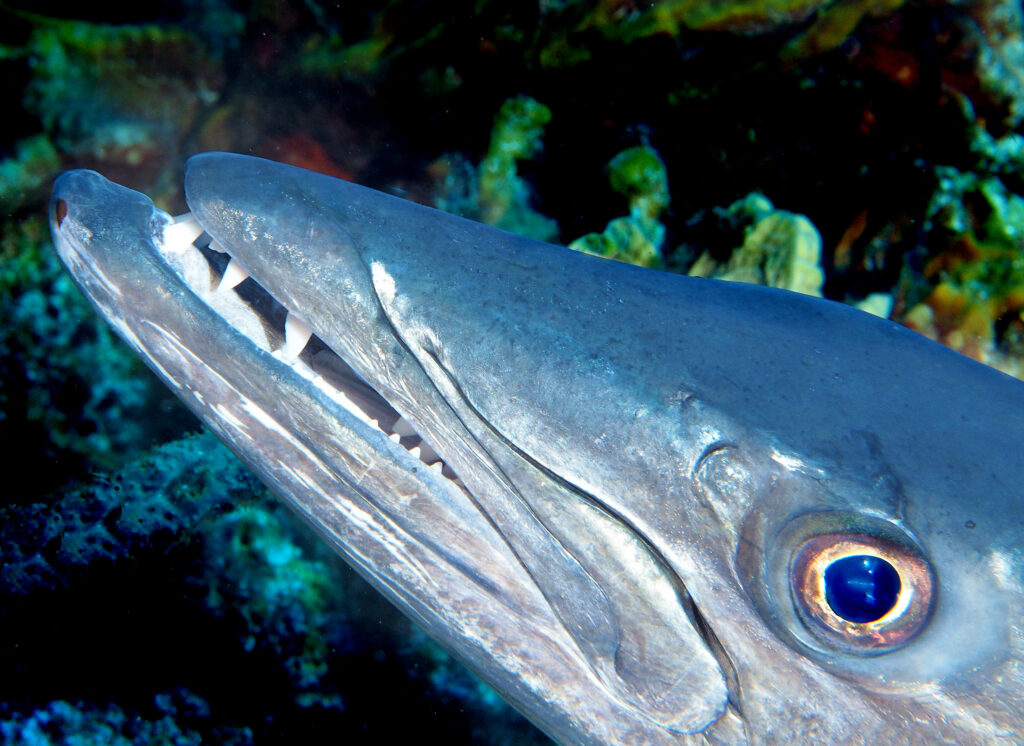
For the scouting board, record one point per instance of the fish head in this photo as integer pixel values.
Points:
(663, 510)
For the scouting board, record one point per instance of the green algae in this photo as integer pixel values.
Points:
(330, 56)
(516, 136)
(779, 248)
(820, 25)
(672, 16)
(639, 175)
(834, 25)
(982, 223)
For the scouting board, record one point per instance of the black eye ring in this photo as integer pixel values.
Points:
(885, 601)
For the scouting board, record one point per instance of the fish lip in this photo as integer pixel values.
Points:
(87, 209)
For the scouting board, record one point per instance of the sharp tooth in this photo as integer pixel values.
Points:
(403, 428)
(428, 455)
(180, 234)
(395, 437)
(296, 334)
(347, 403)
(415, 451)
(233, 276)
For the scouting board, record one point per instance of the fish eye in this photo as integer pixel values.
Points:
(862, 587)
(864, 593)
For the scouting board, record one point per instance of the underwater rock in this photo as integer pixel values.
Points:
(287, 596)
(278, 630)
(150, 504)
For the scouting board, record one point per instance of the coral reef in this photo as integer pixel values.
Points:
(25, 177)
(50, 410)
(149, 505)
(61, 723)
(974, 278)
(493, 193)
(639, 175)
(991, 38)
(779, 249)
(225, 560)
(290, 602)
(116, 93)
(889, 130)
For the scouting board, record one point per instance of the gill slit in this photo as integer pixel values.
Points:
(700, 623)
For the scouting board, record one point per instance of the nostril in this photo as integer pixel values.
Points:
(60, 211)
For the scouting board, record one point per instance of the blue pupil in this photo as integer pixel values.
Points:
(861, 588)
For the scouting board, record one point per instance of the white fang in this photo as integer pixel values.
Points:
(233, 276)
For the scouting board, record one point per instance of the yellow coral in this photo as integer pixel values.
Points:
(830, 23)
(782, 250)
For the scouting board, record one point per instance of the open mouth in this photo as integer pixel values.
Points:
(227, 288)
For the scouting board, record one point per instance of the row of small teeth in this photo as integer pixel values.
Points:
(182, 234)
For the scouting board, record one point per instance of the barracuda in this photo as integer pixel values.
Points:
(646, 508)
